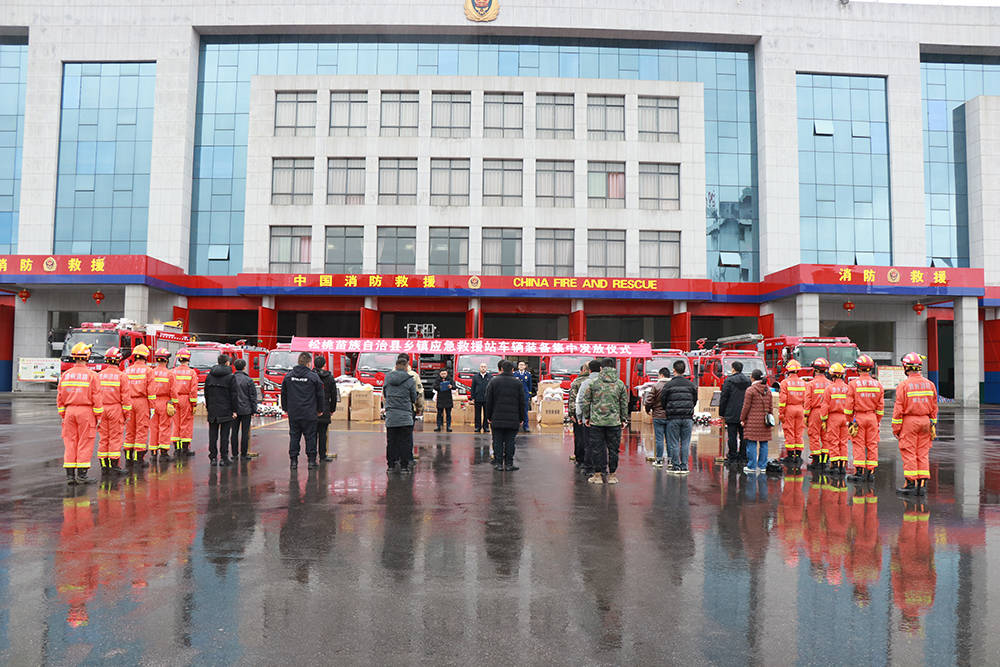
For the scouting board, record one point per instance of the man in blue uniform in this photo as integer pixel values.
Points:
(524, 375)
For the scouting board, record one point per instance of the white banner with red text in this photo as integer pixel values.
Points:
(501, 346)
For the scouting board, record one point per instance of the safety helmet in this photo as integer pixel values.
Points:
(837, 370)
(183, 354)
(793, 366)
(865, 363)
(821, 364)
(80, 351)
(912, 362)
(161, 353)
(141, 351)
(113, 354)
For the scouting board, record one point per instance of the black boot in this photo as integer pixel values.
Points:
(81, 476)
(921, 487)
(71, 476)
(140, 459)
(813, 462)
(858, 476)
(909, 489)
(870, 476)
(164, 455)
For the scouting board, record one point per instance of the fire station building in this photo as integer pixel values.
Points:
(599, 170)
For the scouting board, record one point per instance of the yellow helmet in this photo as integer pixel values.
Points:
(141, 351)
(793, 366)
(837, 369)
(80, 351)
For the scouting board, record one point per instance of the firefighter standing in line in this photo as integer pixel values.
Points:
(163, 410)
(814, 397)
(791, 412)
(140, 380)
(836, 410)
(79, 403)
(868, 398)
(914, 423)
(114, 386)
(184, 396)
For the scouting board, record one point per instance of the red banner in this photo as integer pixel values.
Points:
(501, 346)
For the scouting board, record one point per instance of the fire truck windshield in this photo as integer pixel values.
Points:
(750, 364)
(566, 365)
(843, 355)
(281, 361)
(99, 341)
(846, 355)
(203, 359)
(654, 365)
(469, 363)
(377, 361)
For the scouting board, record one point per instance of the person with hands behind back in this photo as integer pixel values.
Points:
(914, 423)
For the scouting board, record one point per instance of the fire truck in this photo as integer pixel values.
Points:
(780, 350)
(124, 334)
(204, 355)
(648, 370)
(282, 359)
(372, 367)
(466, 366)
(710, 366)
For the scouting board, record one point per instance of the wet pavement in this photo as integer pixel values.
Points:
(459, 564)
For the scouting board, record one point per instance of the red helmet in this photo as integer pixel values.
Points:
(865, 363)
(161, 353)
(912, 362)
(183, 354)
(113, 354)
(821, 364)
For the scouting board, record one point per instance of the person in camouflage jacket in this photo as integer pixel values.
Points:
(605, 411)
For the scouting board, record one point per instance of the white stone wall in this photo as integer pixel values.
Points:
(982, 140)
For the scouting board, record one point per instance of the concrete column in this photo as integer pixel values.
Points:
(807, 315)
(968, 466)
(982, 141)
(137, 303)
(680, 307)
(967, 359)
(30, 340)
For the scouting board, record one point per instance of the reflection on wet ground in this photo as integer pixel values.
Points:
(459, 563)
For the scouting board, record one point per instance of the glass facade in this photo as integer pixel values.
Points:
(105, 138)
(227, 63)
(948, 82)
(13, 79)
(844, 207)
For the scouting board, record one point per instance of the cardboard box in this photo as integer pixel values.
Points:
(461, 413)
(364, 406)
(705, 395)
(341, 413)
(551, 413)
(532, 416)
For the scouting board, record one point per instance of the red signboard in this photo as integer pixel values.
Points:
(501, 346)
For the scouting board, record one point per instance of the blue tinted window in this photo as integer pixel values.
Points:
(13, 78)
(106, 132)
(844, 152)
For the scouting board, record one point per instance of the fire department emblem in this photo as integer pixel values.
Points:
(475, 282)
(49, 264)
(482, 10)
(893, 275)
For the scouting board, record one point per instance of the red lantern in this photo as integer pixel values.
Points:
(919, 308)
(24, 295)
(98, 297)
(849, 306)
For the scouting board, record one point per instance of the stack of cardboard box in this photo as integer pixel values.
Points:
(365, 406)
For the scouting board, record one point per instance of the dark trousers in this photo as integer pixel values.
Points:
(442, 412)
(241, 427)
(302, 428)
(218, 432)
(480, 417)
(321, 435)
(503, 445)
(735, 445)
(398, 445)
(604, 443)
(527, 409)
(580, 437)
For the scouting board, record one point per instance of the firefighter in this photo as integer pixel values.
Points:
(114, 399)
(814, 397)
(791, 399)
(79, 403)
(864, 558)
(913, 575)
(163, 410)
(836, 410)
(140, 380)
(914, 423)
(184, 396)
(868, 398)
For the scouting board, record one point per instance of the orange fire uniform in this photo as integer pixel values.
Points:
(864, 559)
(140, 379)
(913, 574)
(791, 411)
(75, 564)
(116, 403)
(159, 396)
(868, 398)
(79, 404)
(836, 410)
(915, 412)
(184, 394)
(814, 398)
(836, 521)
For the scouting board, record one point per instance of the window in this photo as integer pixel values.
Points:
(606, 253)
(397, 181)
(449, 250)
(501, 251)
(660, 254)
(295, 114)
(502, 182)
(554, 183)
(553, 116)
(344, 249)
(658, 119)
(606, 117)
(345, 181)
(554, 252)
(348, 113)
(606, 184)
(290, 249)
(449, 182)
(659, 186)
(451, 114)
(503, 115)
(400, 114)
(397, 249)
(292, 181)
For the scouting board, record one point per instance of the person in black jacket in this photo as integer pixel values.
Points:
(302, 399)
(730, 409)
(443, 386)
(505, 410)
(679, 397)
(220, 409)
(478, 391)
(330, 398)
(244, 405)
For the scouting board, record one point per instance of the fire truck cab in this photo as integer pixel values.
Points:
(648, 370)
(780, 350)
(710, 367)
(205, 354)
(124, 334)
(282, 359)
(372, 367)
(466, 366)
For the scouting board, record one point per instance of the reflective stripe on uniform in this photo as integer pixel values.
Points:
(868, 390)
(919, 393)
(110, 383)
(818, 391)
(838, 395)
(161, 379)
(796, 388)
(897, 421)
(75, 383)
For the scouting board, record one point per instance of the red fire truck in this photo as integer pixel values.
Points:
(124, 334)
(780, 350)
(466, 366)
(282, 359)
(372, 367)
(204, 355)
(647, 370)
(710, 367)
